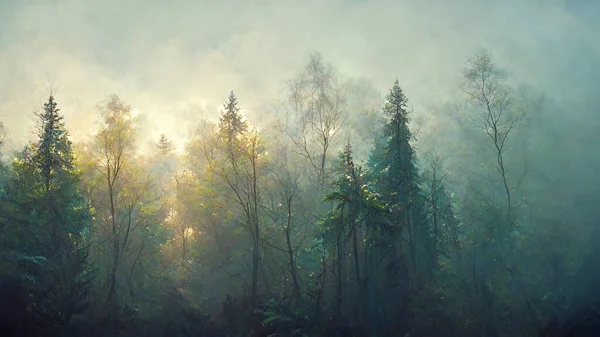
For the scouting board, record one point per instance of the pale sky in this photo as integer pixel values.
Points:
(173, 59)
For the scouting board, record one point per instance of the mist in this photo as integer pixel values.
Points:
(164, 58)
(176, 64)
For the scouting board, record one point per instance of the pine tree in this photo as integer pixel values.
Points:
(52, 155)
(164, 145)
(48, 219)
(240, 167)
(45, 171)
(396, 167)
(397, 174)
(402, 233)
(345, 233)
(231, 124)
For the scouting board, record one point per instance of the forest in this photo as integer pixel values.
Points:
(340, 218)
(275, 168)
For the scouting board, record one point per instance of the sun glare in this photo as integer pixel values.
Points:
(180, 149)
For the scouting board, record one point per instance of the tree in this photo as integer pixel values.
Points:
(47, 218)
(396, 174)
(164, 145)
(444, 225)
(317, 100)
(115, 145)
(128, 209)
(288, 212)
(347, 238)
(205, 205)
(496, 113)
(3, 168)
(402, 233)
(2, 134)
(237, 160)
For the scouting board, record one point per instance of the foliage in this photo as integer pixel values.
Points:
(267, 234)
(46, 220)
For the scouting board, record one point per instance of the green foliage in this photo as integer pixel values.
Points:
(393, 163)
(193, 244)
(52, 154)
(231, 124)
(352, 197)
(45, 221)
(282, 321)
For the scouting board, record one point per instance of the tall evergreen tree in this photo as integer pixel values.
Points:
(396, 174)
(164, 145)
(52, 155)
(403, 237)
(231, 124)
(239, 166)
(48, 220)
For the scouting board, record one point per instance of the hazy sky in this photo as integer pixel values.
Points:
(169, 59)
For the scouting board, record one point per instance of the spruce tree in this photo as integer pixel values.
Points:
(240, 168)
(403, 235)
(231, 124)
(48, 220)
(52, 153)
(164, 145)
(347, 238)
(394, 164)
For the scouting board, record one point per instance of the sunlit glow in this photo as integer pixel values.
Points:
(189, 233)
(171, 216)
(180, 149)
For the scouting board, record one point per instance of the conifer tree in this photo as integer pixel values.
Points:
(396, 174)
(346, 235)
(164, 145)
(239, 166)
(49, 219)
(400, 236)
(231, 124)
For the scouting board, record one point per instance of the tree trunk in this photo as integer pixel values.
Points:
(357, 294)
(296, 294)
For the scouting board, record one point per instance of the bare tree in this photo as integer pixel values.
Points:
(289, 183)
(436, 178)
(317, 102)
(497, 114)
(114, 143)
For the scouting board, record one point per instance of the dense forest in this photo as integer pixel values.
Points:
(343, 216)
(274, 168)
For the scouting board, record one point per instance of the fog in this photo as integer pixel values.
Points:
(198, 238)
(175, 64)
(171, 61)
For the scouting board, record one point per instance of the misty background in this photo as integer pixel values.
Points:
(175, 64)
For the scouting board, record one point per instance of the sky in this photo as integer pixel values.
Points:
(175, 62)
